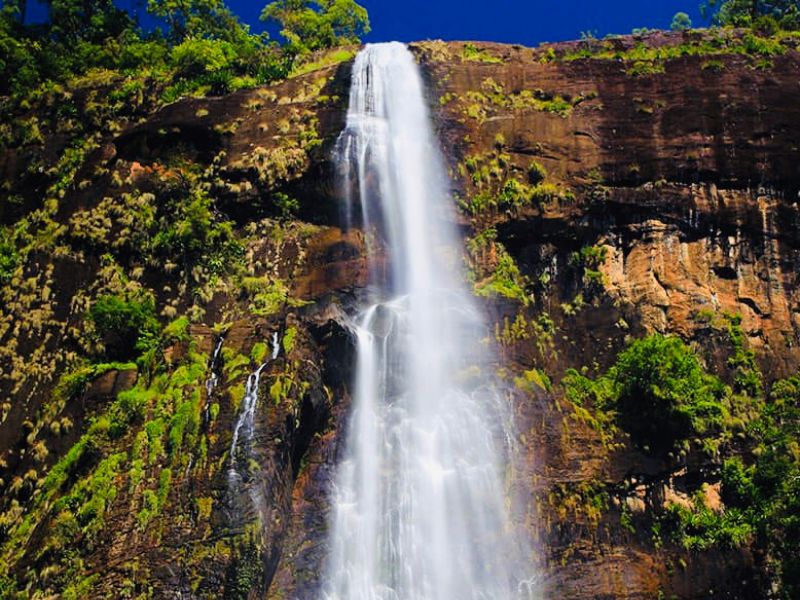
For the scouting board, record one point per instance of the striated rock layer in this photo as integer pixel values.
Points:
(684, 175)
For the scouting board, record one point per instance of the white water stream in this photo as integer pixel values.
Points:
(245, 424)
(419, 509)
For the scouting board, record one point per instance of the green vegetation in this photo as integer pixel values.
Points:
(761, 492)
(246, 572)
(664, 397)
(644, 59)
(472, 53)
(533, 380)
(747, 377)
(493, 270)
(9, 258)
(492, 97)
(500, 186)
(681, 22)
(157, 422)
(99, 253)
(541, 330)
(659, 393)
(766, 16)
(195, 235)
(334, 57)
(588, 261)
(536, 173)
(505, 279)
(585, 501)
(310, 25)
(203, 49)
(126, 326)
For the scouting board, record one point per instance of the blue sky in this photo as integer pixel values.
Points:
(516, 21)
(526, 22)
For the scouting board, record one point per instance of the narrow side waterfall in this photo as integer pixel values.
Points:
(239, 453)
(418, 508)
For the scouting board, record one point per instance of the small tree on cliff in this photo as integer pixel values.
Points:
(309, 25)
(681, 22)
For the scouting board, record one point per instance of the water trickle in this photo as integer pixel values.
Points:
(276, 347)
(213, 377)
(245, 424)
(418, 505)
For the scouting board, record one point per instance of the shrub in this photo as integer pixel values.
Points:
(194, 235)
(588, 260)
(663, 395)
(506, 280)
(747, 377)
(197, 56)
(536, 173)
(9, 258)
(126, 326)
(700, 527)
(658, 392)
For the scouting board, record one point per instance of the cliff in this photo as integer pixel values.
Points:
(606, 190)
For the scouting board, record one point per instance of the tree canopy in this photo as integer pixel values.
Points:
(681, 22)
(746, 13)
(200, 44)
(309, 25)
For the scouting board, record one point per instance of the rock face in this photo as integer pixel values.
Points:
(684, 174)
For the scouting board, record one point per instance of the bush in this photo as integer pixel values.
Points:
(760, 491)
(126, 326)
(137, 52)
(196, 57)
(701, 528)
(191, 233)
(536, 173)
(506, 279)
(663, 395)
(9, 258)
(659, 393)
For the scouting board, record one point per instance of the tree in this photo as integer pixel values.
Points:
(89, 20)
(197, 19)
(681, 22)
(309, 25)
(746, 13)
(664, 396)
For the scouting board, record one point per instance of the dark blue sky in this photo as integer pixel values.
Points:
(526, 22)
(517, 21)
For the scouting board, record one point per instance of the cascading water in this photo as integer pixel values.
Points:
(419, 510)
(245, 425)
(213, 377)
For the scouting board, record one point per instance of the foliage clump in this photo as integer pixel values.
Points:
(310, 25)
(126, 325)
(588, 261)
(202, 48)
(493, 271)
(765, 16)
(664, 396)
(9, 257)
(658, 392)
(472, 53)
(760, 489)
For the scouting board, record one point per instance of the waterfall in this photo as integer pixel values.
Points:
(213, 376)
(418, 503)
(245, 424)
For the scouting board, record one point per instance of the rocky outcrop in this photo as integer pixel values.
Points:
(680, 170)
